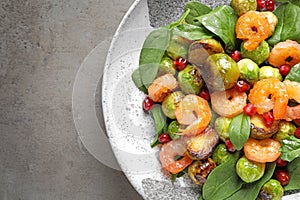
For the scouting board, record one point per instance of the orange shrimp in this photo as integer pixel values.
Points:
(253, 27)
(293, 90)
(228, 103)
(259, 96)
(162, 87)
(167, 156)
(285, 53)
(193, 112)
(266, 150)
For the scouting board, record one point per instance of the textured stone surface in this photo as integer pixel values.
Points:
(42, 44)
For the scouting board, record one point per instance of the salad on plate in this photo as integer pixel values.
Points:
(222, 85)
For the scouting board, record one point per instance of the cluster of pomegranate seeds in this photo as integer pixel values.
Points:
(281, 163)
(265, 5)
(242, 86)
(249, 109)
(147, 104)
(297, 133)
(268, 118)
(205, 94)
(229, 146)
(236, 55)
(164, 138)
(282, 176)
(180, 63)
(284, 70)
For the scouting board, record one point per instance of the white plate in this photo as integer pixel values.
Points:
(130, 130)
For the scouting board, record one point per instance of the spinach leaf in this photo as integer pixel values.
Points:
(251, 190)
(293, 169)
(296, 2)
(136, 77)
(179, 21)
(152, 52)
(196, 10)
(223, 181)
(221, 21)
(192, 32)
(294, 74)
(239, 130)
(160, 122)
(290, 148)
(288, 26)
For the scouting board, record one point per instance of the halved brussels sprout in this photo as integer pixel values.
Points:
(271, 190)
(249, 70)
(222, 127)
(166, 66)
(170, 103)
(199, 170)
(259, 129)
(173, 129)
(258, 55)
(190, 80)
(269, 72)
(249, 171)
(243, 6)
(286, 129)
(220, 154)
(178, 47)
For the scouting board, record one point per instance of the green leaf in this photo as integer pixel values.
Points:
(290, 148)
(197, 9)
(294, 74)
(296, 2)
(159, 120)
(192, 32)
(136, 78)
(293, 169)
(223, 181)
(239, 130)
(179, 21)
(221, 21)
(288, 26)
(250, 191)
(152, 52)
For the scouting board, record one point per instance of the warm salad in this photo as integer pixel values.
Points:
(223, 87)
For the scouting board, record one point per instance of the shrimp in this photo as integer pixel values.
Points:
(162, 87)
(228, 103)
(285, 53)
(168, 153)
(193, 112)
(293, 90)
(271, 87)
(253, 27)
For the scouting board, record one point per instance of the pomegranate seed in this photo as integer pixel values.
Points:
(261, 5)
(236, 56)
(164, 138)
(242, 86)
(281, 163)
(282, 176)
(270, 5)
(229, 146)
(205, 94)
(268, 118)
(148, 104)
(180, 63)
(297, 133)
(249, 109)
(284, 70)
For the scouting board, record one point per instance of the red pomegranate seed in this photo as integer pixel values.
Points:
(297, 133)
(270, 5)
(282, 176)
(261, 5)
(269, 118)
(284, 70)
(242, 86)
(281, 163)
(180, 63)
(148, 104)
(250, 109)
(205, 94)
(229, 146)
(236, 56)
(164, 138)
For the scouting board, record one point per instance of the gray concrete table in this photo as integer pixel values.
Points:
(42, 45)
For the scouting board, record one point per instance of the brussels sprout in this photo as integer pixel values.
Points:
(190, 80)
(178, 47)
(243, 6)
(170, 103)
(166, 66)
(199, 170)
(271, 190)
(269, 72)
(272, 19)
(249, 70)
(201, 49)
(259, 129)
(286, 129)
(220, 72)
(249, 171)
(173, 129)
(258, 55)
(222, 127)
(220, 154)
